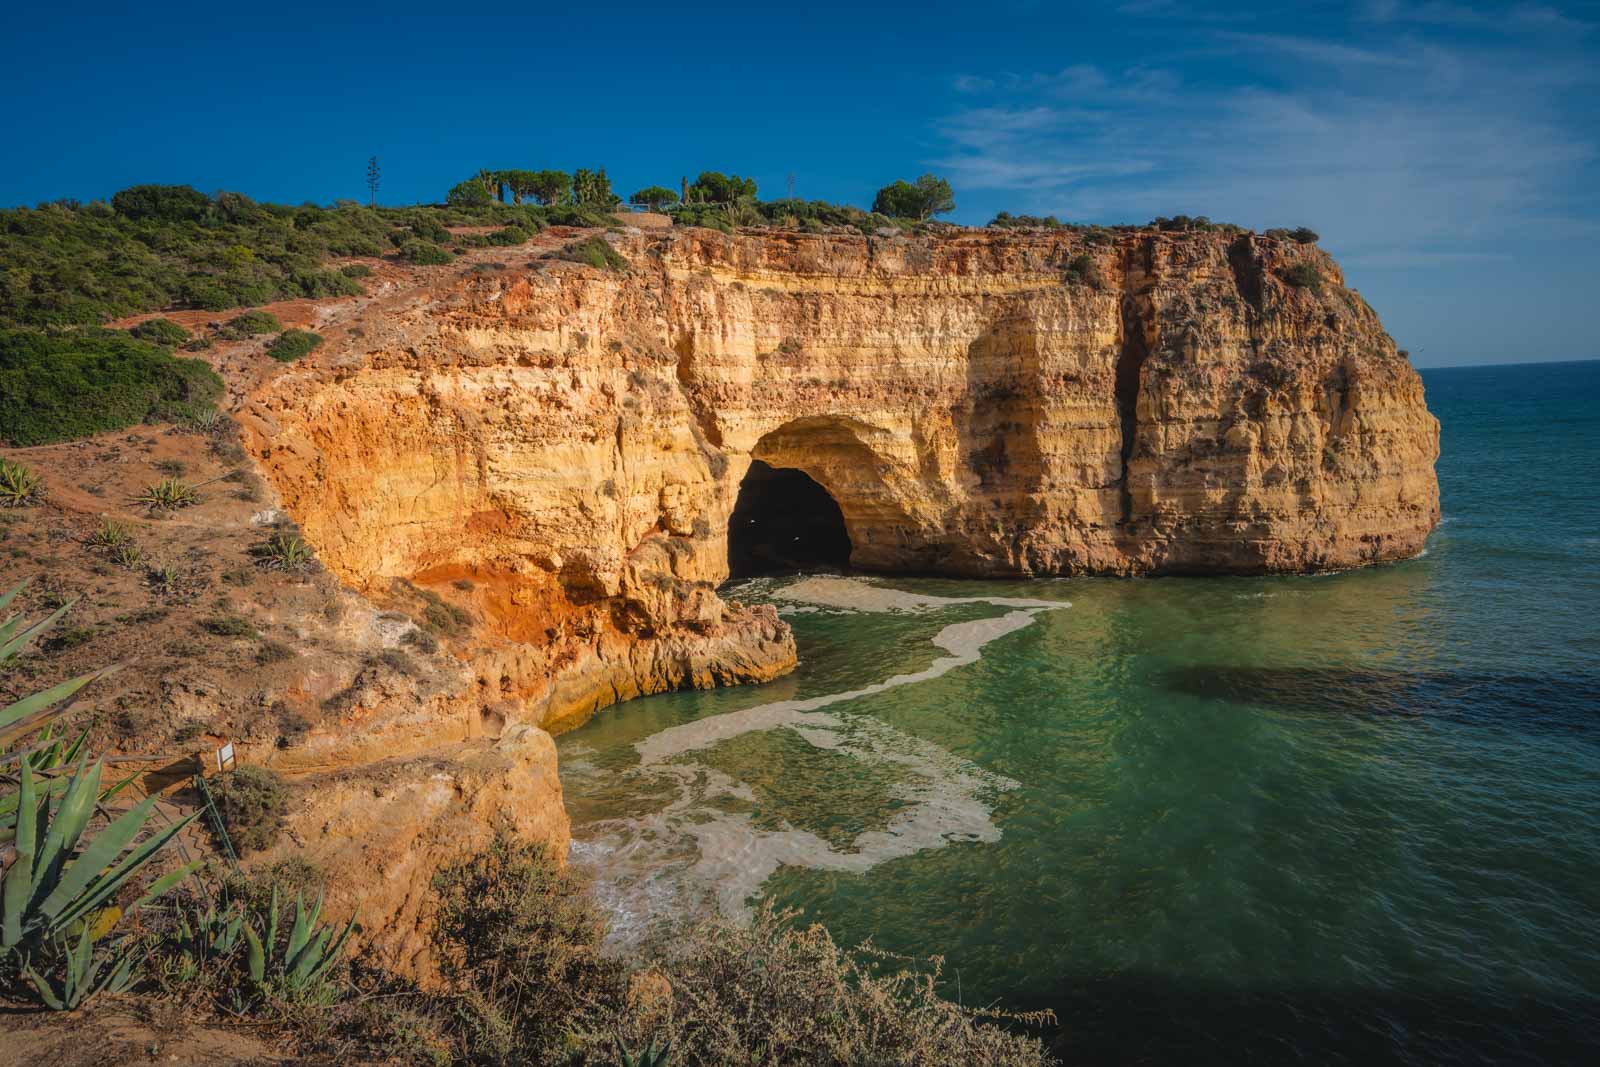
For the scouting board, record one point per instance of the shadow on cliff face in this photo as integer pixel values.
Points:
(783, 523)
(1133, 1018)
(1567, 703)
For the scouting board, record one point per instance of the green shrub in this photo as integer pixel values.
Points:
(596, 252)
(1300, 235)
(250, 324)
(169, 203)
(84, 265)
(292, 344)
(19, 485)
(57, 387)
(1083, 270)
(511, 235)
(228, 626)
(519, 936)
(355, 270)
(161, 332)
(1303, 276)
(1006, 220)
(424, 228)
(424, 254)
(253, 802)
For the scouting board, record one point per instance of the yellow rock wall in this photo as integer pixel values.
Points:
(556, 450)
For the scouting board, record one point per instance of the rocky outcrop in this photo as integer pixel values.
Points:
(380, 831)
(542, 458)
(977, 403)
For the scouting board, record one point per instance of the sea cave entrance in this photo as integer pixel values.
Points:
(784, 522)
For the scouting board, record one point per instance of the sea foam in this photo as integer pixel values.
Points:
(693, 853)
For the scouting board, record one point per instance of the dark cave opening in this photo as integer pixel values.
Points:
(785, 522)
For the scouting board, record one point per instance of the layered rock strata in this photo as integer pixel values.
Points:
(549, 454)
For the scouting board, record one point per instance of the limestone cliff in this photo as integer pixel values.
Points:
(977, 403)
(548, 455)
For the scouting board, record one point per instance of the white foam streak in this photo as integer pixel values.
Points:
(658, 863)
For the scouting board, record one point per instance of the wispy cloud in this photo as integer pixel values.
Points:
(1313, 50)
(1518, 17)
(1400, 149)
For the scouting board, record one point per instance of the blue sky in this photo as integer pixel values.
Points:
(1445, 151)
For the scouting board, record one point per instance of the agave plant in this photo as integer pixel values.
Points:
(306, 956)
(19, 485)
(55, 899)
(110, 534)
(163, 578)
(205, 936)
(86, 973)
(649, 1056)
(33, 712)
(169, 494)
(283, 552)
(52, 888)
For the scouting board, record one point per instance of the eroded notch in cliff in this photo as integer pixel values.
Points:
(1130, 364)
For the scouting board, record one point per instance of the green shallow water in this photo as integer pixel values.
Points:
(1347, 818)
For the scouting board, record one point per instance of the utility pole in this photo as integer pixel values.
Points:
(372, 181)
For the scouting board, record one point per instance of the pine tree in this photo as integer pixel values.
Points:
(372, 181)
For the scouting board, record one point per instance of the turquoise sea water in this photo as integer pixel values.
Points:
(1346, 818)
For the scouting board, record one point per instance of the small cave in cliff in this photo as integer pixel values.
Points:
(785, 522)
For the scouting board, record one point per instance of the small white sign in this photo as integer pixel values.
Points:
(225, 757)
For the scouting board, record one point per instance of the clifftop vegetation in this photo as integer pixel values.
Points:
(69, 268)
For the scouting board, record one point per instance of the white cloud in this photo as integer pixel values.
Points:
(1400, 151)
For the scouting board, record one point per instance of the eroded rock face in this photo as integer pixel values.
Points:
(553, 452)
(380, 831)
(974, 406)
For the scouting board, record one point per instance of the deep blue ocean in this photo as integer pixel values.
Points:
(1351, 818)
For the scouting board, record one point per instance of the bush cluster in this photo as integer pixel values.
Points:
(253, 802)
(292, 344)
(1303, 276)
(171, 246)
(60, 386)
(424, 254)
(1083, 270)
(519, 940)
(594, 251)
(163, 332)
(250, 324)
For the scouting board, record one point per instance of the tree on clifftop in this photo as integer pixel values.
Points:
(550, 186)
(372, 181)
(920, 200)
(654, 197)
(520, 182)
(715, 187)
(592, 189)
(470, 193)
